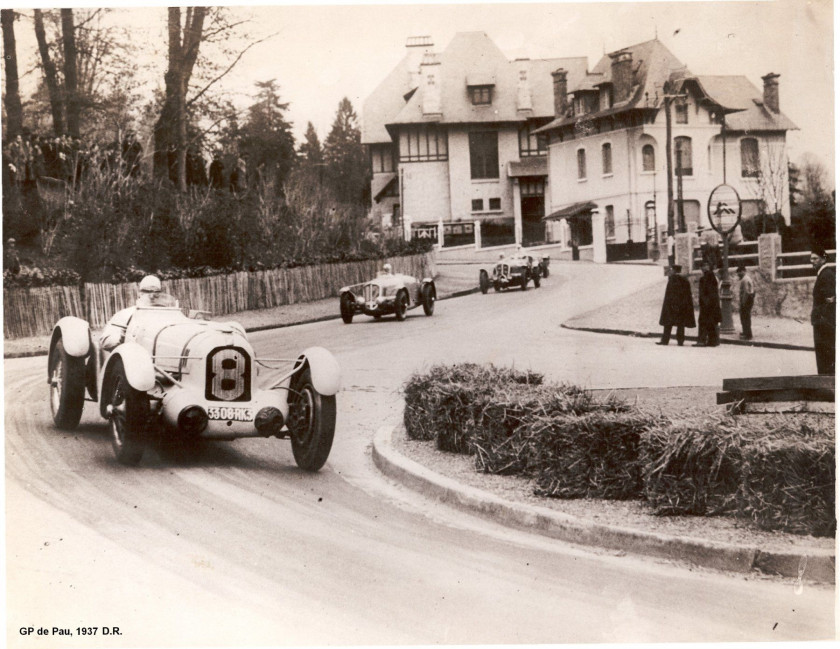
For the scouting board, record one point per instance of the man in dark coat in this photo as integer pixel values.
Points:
(823, 313)
(677, 307)
(710, 316)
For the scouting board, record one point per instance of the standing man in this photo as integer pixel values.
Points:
(823, 313)
(677, 307)
(746, 288)
(710, 315)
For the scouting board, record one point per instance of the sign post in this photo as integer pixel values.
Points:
(724, 210)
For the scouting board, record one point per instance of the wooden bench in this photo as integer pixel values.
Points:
(810, 393)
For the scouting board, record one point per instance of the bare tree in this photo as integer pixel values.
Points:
(770, 186)
(71, 90)
(50, 76)
(14, 111)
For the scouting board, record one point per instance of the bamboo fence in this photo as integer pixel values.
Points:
(34, 311)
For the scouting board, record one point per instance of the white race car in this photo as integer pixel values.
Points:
(189, 379)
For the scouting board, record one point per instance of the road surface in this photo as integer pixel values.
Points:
(237, 547)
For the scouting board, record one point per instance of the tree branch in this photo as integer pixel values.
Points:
(191, 101)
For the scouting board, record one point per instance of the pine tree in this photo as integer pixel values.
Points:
(266, 139)
(310, 151)
(344, 155)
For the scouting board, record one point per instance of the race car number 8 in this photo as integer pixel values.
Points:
(228, 375)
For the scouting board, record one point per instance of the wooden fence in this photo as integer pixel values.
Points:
(34, 311)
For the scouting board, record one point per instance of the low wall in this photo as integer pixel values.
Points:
(786, 299)
(485, 255)
(34, 311)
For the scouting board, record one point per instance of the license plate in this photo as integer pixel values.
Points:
(230, 414)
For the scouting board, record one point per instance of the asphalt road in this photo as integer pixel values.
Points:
(236, 547)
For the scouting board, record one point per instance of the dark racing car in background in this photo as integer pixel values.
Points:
(386, 294)
(513, 272)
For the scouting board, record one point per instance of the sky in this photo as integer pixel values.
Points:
(321, 53)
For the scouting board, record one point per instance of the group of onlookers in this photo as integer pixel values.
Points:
(28, 157)
(678, 307)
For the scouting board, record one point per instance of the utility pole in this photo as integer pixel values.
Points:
(667, 98)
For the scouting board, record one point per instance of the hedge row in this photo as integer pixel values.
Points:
(776, 471)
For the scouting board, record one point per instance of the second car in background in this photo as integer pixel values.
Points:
(386, 294)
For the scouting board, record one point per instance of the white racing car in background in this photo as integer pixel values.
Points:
(191, 379)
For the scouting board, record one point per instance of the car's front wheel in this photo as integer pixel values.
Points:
(347, 308)
(537, 280)
(401, 305)
(67, 388)
(483, 281)
(311, 423)
(524, 282)
(429, 298)
(128, 412)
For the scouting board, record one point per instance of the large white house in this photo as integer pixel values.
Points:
(452, 139)
(607, 153)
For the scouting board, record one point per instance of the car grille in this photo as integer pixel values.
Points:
(228, 375)
(371, 292)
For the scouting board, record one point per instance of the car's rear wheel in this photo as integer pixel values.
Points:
(544, 271)
(311, 423)
(401, 305)
(483, 281)
(67, 388)
(347, 308)
(128, 412)
(429, 298)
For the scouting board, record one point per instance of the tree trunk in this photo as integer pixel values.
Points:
(14, 112)
(49, 74)
(171, 127)
(71, 83)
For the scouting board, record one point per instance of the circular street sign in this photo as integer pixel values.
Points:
(724, 209)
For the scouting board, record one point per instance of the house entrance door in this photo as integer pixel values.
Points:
(533, 210)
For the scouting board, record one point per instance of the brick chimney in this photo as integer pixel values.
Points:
(523, 86)
(560, 92)
(771, 92)
(430, 84)
(622, 75)
(416, 48)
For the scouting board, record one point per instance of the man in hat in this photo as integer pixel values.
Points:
(677, 307)
(746, 294)
(710, 314)
(11, 260)
(823, 312)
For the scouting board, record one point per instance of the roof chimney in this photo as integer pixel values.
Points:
(560, 91)
(430, 78)
(622, 75)
(771, 92)
(523, 86)
(416, 47)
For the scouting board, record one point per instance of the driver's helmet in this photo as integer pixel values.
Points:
(150, 293)
(386, 269)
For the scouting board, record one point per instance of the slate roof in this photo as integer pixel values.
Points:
(654, 65)
(473, 56)
(739, 92)
(385, 102)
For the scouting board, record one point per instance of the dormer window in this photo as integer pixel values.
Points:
(481, 95)
(681, 111)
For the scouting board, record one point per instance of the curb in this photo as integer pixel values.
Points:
(723, 341)
(818, 567)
